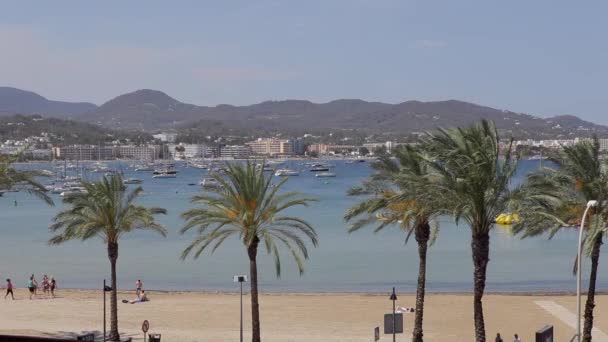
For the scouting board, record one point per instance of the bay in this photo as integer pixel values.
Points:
(358, 262)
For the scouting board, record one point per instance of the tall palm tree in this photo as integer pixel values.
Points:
(106, 211)
(249, 206)
(392, 199)
(555, 198)
(10, 178)
(467, 167)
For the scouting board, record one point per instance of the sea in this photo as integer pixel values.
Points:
(343, 262)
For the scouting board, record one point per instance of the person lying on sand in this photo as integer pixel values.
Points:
(143, 297)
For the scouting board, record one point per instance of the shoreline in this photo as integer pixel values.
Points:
(343, 293)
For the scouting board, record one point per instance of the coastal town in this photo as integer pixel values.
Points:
(166, 146)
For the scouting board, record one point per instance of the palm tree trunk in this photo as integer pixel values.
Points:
(113, 256)
(590, 304)
(480, 246)
(422, 233)
(252, 251)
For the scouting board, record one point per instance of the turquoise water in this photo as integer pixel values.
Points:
(362, 261)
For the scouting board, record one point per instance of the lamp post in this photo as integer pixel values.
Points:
(241, 279)
(578, 270)
(105, 289)
(394, 299)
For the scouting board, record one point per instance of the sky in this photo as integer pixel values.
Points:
(540, 57)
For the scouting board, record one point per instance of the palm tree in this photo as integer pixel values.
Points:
(467, 167)
(555, 198)
(10, 178)
(393, 200)
(107, 211)
(249, 206)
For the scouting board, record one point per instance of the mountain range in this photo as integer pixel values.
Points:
(154, 110)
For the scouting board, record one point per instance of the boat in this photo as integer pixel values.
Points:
(164, 175)
(325, 174)
(199, 166)
(144, 169)
(286, 172)
(74, 190)
(169, 171)
(209, 182)
(132, 181)
(319, 168)
(507, 219)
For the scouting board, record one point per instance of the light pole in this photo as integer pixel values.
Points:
(241, 279)
(394, 299)
(578, 270)
(105, 289)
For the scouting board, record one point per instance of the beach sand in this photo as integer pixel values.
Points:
(192, 316)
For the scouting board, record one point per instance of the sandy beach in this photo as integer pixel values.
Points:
(193, 316)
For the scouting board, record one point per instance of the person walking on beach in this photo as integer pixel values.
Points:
(9, 289)
(34, 284)
(498, 338)
(138, 286)
(517, 339)
(45, 285)
(31, 286)
(53, 286)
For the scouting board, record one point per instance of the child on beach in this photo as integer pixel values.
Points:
(9, 289)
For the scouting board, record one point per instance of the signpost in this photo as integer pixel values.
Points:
(391, 321)
(145, 326)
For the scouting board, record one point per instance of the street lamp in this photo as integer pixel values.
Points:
(394, 299)
(106, 288)
(578, 270)
(241, 279)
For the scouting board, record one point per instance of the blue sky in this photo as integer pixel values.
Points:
(539, 57)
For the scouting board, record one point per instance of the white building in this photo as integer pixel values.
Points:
(235, 152)
(136, 152)
(166, 137)
(270, 146)
(183, 151)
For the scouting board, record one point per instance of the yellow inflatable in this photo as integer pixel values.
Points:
(507, 219)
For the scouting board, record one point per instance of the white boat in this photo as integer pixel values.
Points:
(210, 183)
(320, 167)
(286, 172)
(132, 181)
(164, 175)
(325, 174)
(199, 166)
(144, 169)
(76, 190)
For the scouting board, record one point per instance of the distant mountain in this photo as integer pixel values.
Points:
(143, 109)
(13, 100)
(151, 110)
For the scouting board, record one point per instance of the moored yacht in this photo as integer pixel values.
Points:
(286, 172)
